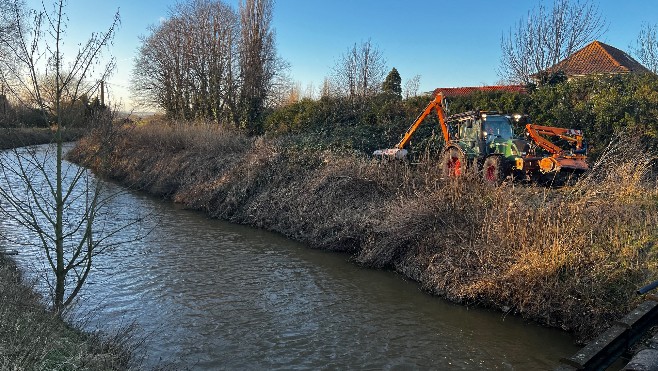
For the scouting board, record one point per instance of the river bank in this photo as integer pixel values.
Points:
(20, 137)
(568, 258)
(32, 337)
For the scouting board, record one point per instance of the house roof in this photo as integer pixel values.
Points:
(463, 91)
(598, 58)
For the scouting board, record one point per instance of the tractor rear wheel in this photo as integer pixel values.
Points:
(453, 163)
(493, 170)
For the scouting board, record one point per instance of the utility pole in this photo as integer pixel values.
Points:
(3, 99)
(102, 93)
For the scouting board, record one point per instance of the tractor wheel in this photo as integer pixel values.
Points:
(453, 163)
(493, 170)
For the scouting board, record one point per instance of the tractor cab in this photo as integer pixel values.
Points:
(496, 126)
(481, 134)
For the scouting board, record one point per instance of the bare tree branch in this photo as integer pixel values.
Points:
(646, 47)
(360, 72)
(61, 205)
(547, 36)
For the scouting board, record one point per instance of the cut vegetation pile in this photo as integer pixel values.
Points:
(570, 258)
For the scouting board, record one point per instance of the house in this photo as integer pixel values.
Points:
(596, 58)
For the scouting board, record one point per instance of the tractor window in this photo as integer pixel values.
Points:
(499, 126)
(469, 130)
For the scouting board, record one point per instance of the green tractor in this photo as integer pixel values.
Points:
(485, 141)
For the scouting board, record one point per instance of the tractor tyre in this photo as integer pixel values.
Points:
(453, 163)
(494, 170)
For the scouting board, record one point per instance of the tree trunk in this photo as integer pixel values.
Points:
(60, 273)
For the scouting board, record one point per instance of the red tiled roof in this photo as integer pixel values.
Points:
(598, 58)
(463, 91)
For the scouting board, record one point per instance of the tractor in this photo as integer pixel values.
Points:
(486, 142)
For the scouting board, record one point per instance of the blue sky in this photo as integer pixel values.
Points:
(447, 43)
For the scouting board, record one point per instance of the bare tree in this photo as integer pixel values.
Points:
(360, 72)
(59, 203)
(207, 61)
(411, 87)
(158, 78)
(326, 90)
(309, 92)
(646, 47)
(548, 36)
(285, 91)
(259, 64)
(188, 64)
(9, 35)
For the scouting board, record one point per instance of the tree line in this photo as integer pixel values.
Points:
(209, 61)
(212, 62)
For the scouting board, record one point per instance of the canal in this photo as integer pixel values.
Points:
(206, 294)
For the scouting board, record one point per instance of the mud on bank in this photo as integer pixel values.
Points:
(569, 258)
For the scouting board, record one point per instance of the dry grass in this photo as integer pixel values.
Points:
(570, 257)
(32, 338)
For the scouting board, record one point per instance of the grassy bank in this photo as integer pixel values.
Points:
(32, 338)
(570, 258)
(20, 137)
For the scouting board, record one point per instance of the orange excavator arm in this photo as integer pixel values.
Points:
(571, 135)
(434, 104)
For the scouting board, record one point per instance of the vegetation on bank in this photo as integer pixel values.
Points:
(33, 338)
(570, 258)
(20, 137)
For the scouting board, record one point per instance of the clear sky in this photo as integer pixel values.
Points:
(447, 43)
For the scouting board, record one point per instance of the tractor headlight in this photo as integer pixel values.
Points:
(519, 163)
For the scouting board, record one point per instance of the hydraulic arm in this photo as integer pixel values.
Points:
(434, 104)
(398, 151)
(570, 135)
(573, 159)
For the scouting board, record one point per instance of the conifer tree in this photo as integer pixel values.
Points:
(393, 83)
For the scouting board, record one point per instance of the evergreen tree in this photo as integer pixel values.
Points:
(393, 83)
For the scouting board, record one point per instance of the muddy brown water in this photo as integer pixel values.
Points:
(206, 294)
